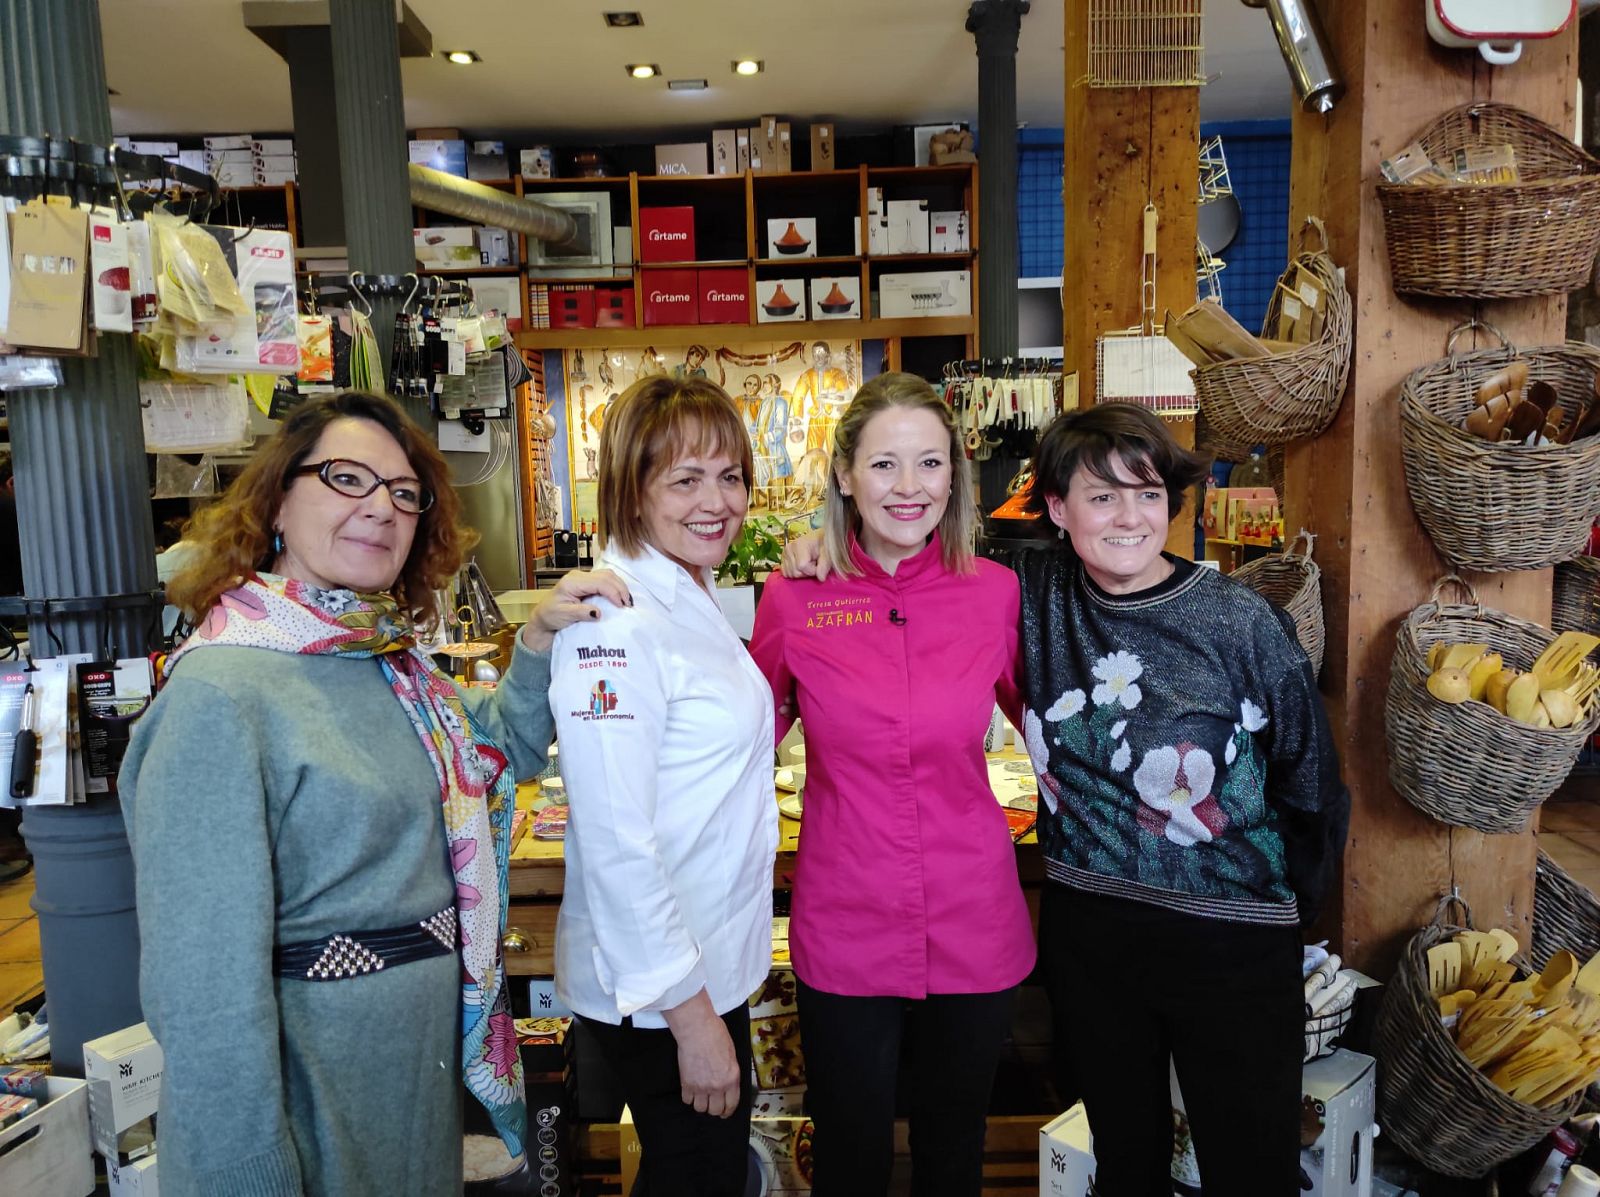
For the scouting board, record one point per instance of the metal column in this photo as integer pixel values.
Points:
(83, 508)
(995, 25)
(372, 151)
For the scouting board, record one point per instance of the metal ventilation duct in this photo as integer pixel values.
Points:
(439, 192)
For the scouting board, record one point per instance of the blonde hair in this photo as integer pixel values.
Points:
(655, 422)
(957, 527)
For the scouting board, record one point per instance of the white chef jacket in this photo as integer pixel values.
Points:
(665, 726)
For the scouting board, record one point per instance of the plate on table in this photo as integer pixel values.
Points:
(790, 805)
(791, 778)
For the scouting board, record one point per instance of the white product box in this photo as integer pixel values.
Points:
(161, 149)
(272, 147)
(123, 1070)
(494, 246)
(537, 163)
(836, 297)
(1066, 1155)
(274, 172)
(227, 157)
(47, 1153)
(780, 299)
(232, 174)
(137, 1179)
(228, 141)
(1343, 1090)
(926, 293)
(447, 245)
(795, 238)
(877, 223)
(908, 226)
(949, 233)
(542, 999)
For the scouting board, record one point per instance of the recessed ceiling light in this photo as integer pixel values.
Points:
(624, 20)
(643, 70)
(462, 57)
(748, 66)
(686, 85)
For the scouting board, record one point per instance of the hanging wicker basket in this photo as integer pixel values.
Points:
(1294, 582)
(1502, 241)
(1465, 763)
(1431, 1100)
(1565, 915)
(1576, 601)
(1489, 506)
(1288, 396)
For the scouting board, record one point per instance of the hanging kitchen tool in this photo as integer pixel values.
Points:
(1304, 46)
(1141, 365)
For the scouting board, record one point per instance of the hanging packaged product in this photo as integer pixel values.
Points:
(112, 694)
(111, 279)
(315, 335)
(263, 263)
(142, 272)
(197, 291)
(193, 417)
(49, 256)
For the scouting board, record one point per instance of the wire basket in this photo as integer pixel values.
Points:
(1323, 1031)
(1502, 241)
(1576, 598)
(1146, 43)
(1465, 763)
(1431, 1100)
(1286, 396)
(1498, 506)
(1565, 915)
(1294, 582)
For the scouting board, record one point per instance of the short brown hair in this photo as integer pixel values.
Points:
(1091, 437)
(233, 536)
(957, 527)
(652, 424)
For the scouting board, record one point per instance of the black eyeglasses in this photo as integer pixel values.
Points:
(357, 481)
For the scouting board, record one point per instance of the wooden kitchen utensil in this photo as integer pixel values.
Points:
(1566, 652)
(1526, 420)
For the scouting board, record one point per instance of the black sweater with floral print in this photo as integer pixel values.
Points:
(1183, 751)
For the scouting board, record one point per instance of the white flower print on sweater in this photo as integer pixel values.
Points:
(1174, 784)
(1118, 672)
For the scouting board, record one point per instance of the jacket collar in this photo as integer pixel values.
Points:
(927, 561)
(651, 570)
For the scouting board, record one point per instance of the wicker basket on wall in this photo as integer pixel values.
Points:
(1503, 241)
(1431, 1100)
(1292, 581)
(1287, 396)
(1465, 763)
(1489, 506)
(1576, 600)
(1565, 915)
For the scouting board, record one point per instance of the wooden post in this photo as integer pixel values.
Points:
(1349, 487)
(1124, 148)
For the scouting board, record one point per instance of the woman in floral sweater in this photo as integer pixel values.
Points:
(1193, 816)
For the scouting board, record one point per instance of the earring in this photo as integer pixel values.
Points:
(277, 543)
(1061, 534)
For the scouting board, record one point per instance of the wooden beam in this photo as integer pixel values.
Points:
(1123, 148)
(1349, 487)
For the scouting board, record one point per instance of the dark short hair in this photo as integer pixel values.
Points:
(1093, 436)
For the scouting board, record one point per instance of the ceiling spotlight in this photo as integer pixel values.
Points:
(462, 57)
(686, 85)
(643, 70)
(624, 20)
(748, 66)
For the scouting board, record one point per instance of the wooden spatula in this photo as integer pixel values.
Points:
(1566, 652)
(1526, 420)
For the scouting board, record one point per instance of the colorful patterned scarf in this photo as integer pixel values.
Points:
(475, 786)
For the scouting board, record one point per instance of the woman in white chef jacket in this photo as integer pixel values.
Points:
(665, 727)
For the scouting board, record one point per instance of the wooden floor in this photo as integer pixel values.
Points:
(21, 971)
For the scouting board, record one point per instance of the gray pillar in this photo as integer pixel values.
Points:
(995, 26)
(309, 52)
(372, 150)
(83, 507)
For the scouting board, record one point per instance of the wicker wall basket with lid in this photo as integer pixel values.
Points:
(1498, 241)
(1294, 582)
(1576, 598)
(1288, 396)
(1489, 506)
(1431, 1100)
(1465, 763)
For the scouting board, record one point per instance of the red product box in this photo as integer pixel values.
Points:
(724, 296)
(613, 308)
(572, 309)
(666, 234)
(670, 297)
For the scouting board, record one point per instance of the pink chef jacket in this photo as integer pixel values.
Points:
(906, 882)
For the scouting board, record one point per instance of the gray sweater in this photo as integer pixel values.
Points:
(270, 799)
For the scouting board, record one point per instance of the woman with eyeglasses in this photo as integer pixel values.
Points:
(320, 822)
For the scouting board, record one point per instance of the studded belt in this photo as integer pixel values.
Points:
(356, 953)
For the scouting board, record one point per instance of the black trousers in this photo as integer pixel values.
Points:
(1130, 986)
(682, 1153)
(852, 1048)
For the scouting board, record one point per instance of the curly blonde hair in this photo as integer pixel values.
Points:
(232, 538)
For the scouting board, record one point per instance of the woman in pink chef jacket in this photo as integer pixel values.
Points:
(909, 930)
